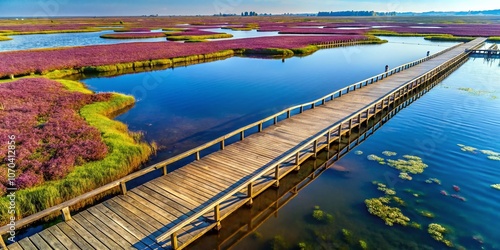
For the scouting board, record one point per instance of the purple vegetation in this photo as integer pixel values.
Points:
(458, 197)
(39, 61)
(51, 138)
(134, 35)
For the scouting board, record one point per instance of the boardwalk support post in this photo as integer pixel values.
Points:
(277, 175)
(297, 161)
(173, 241)
(66, 214)
(217, 217)
(165, 170)
(315, 148)
(250, 194)
(222, 145)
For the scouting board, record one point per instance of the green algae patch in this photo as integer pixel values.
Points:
(437, 232)
(389, 153)
(496, 186)
(410, 164)
(358, 152)
(465, 148)
(433, 180)
(426, 214)
(388, 191)
(378, 159)
(390, 215)
(321, 216)
(405, 176)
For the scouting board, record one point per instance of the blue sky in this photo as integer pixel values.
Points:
(192, 7)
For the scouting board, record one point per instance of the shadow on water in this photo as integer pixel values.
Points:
(245, 221)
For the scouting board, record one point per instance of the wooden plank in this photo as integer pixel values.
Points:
(65, 240)
(94, 231)
(105, 229)
(157, 198)
(39, 242)
(145, 222)
(15, 246)
(26, 244)
(118, 228)
(51, 240)
(90, 238)
(73, 235)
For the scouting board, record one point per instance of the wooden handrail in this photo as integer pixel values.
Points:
(163, 164)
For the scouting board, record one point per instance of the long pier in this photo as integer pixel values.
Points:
(175, 209)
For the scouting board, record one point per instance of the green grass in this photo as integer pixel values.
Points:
(126, 153)
(4, 38)
(203, 37)
(267, 52)
(450, 38)
(494, 39)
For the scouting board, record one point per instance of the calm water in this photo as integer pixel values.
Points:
(23, 42)
(430, 128)
(184, 107)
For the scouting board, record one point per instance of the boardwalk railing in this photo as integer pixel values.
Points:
(64, 208)
(332, 133)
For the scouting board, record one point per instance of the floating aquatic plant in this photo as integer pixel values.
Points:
(391, 215)
(412, 164)
(467, 148)
(494, 158)
(398, 200)
(405, 176)
(426, 214)
(373, 157)
(363, 244)
(437, 232)
(358, 152)
(415, 225)
(382, 187)
(489, 152)
(433, 180)
(389, 153)
(496, 186)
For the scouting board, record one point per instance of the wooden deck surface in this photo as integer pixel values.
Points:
(137, 219)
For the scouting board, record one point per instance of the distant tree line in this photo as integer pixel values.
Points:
(347, 13)
(251, 13)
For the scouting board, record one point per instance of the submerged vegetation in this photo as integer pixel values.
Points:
(410, 164)
(437, 232)
(496, 186)
(391, 215)
(492, 155)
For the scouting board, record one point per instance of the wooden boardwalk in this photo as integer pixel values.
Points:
(173, 210)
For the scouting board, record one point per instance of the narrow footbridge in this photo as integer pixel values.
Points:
(178, 207)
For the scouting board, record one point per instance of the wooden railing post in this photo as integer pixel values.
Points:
(275, 120)
(123, 187)
(173, 241)
(222, 144)
(242, 135)
(164, 170)
(315, 148)
(2, 243)
(217, 217)
(277, 175)
(260, 127)
(66, 214)
(297, 161)
(198, 155)
(250, 193)
(288, 114)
